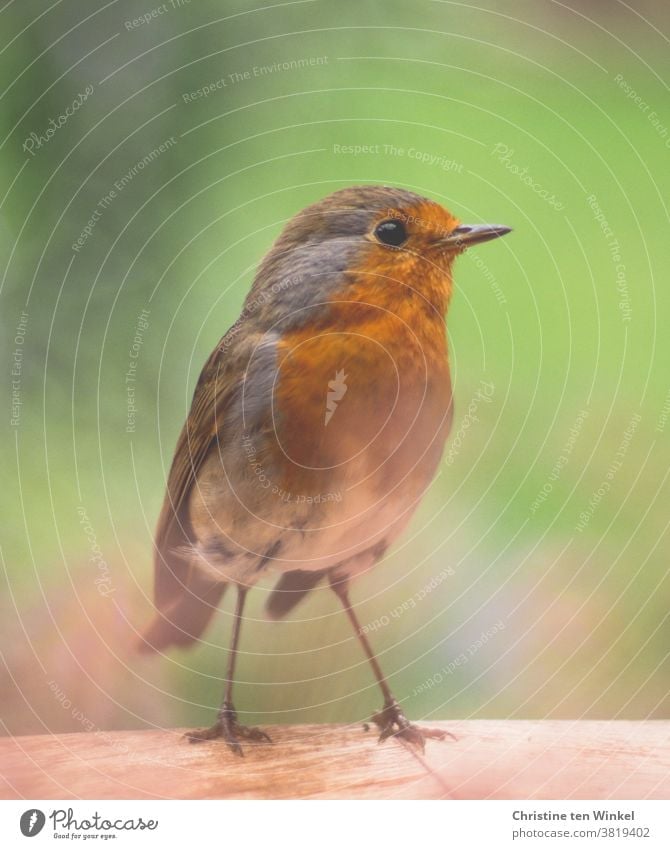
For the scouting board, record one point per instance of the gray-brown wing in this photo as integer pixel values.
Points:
(237, 377)
(204, 422)
(186, 599)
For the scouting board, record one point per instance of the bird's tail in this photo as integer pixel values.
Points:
(291, 588)
(183, 621)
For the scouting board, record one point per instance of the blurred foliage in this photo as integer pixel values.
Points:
(579, 618)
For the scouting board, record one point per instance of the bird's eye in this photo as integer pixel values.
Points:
(391, 232)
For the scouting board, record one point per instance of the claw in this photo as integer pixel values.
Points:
(228, 728)
(392, 722)
(255, 734)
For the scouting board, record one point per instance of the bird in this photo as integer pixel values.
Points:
(316, 426)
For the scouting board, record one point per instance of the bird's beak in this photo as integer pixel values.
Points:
(466, 235)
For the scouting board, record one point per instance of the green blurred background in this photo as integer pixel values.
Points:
(516, 112)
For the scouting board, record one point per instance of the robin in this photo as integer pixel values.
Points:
(316, 425)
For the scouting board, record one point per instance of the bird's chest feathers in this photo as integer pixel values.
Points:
(372, 399)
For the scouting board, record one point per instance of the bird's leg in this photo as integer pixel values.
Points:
(226, 725)
(390, 720)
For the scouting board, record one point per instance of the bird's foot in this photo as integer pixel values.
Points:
(392, 722)
(228, 728)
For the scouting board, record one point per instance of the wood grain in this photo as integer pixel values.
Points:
(487, 760)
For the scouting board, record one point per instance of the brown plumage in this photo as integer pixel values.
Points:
(317, 422)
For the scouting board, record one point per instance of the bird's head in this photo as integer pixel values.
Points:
(376, 244)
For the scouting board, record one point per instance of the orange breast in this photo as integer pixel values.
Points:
(363, 393)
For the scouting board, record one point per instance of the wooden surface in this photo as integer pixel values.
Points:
(489, 759)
